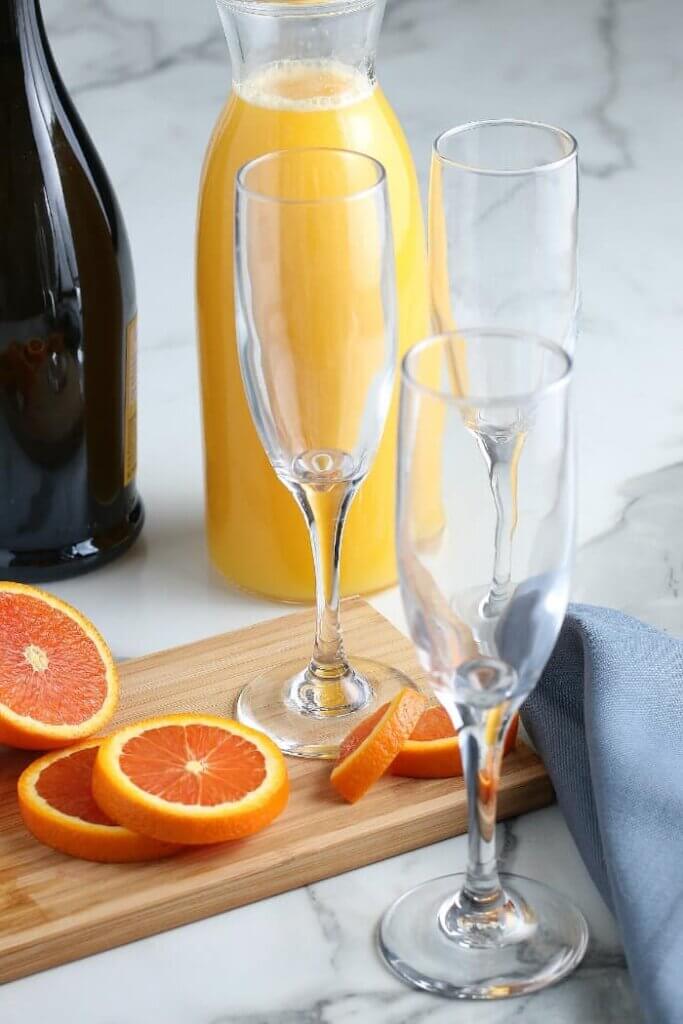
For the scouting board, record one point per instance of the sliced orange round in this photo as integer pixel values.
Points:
(191, 778)
(433, 752)
(58, 680)
(56, 803)
(367, 752)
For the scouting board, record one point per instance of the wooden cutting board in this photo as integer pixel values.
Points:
(54, 909)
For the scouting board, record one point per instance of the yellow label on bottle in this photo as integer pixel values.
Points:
(130, 436)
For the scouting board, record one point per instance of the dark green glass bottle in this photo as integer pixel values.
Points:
(68, 402)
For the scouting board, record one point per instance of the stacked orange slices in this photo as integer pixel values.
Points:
(154, 787)
(368, 751)
(144, 792)
(405, 738)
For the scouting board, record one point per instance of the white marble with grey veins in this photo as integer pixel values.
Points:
(149, 77)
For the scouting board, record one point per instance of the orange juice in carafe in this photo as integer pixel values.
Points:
(319, 91)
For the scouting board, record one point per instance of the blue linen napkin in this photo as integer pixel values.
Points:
(607, 720)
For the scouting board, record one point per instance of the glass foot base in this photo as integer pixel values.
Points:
(542, 937)
(309, 719)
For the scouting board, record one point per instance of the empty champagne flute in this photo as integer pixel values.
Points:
(503, 205)
(485, 595)
(317, 346)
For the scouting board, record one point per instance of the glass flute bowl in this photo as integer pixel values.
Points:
(487, 413)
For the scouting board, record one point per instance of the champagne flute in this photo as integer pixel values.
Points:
(503, 205)
(485, 400)
(503, 209)
(317, 346)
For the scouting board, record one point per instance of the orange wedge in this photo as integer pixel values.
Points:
(190, 778)
(58, 680)
(56, 803)
(367, 752)
(433, 752)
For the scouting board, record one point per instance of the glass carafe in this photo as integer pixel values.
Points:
(303, 75)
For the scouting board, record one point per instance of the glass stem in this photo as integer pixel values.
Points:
(481, 744)
(329, 686)
(328, 508)
(502, 459)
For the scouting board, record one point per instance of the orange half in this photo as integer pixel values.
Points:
(191, 778)
(433, 751)
(367, 752)
(58, 680)
(56, 803)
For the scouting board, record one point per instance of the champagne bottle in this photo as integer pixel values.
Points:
(68, 405)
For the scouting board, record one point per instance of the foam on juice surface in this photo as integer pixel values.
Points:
(305, 85)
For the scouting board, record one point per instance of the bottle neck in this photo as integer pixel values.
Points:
(336, 32)
(21, 27)
(24, 48)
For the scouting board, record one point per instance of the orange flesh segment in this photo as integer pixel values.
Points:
(65, 785)
(433, 725)
(50, 669)
(193, 764)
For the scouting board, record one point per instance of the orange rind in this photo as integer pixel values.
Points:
(433, 751)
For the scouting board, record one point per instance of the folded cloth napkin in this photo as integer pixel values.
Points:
(607, 719)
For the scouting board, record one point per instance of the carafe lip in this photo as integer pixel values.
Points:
(296, 8)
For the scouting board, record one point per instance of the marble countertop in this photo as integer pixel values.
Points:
(149, 78)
